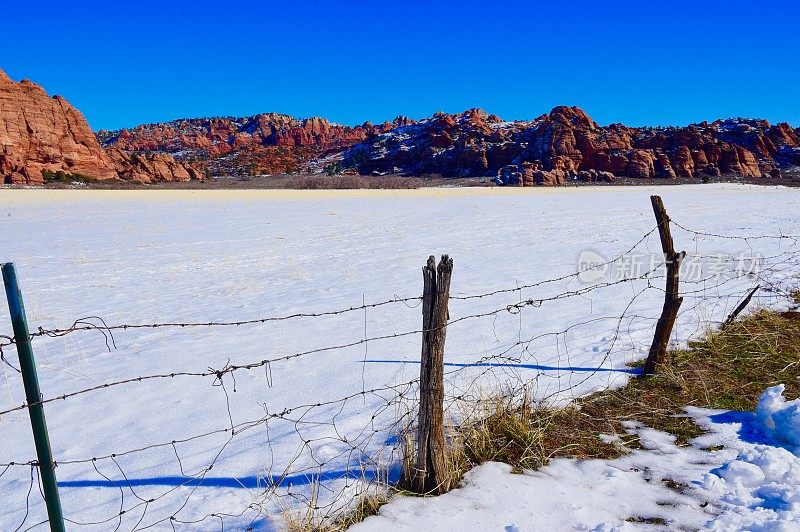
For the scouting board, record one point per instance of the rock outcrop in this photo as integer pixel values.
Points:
(149, 167)
(567, 143)
(42, 136)
(39, 133)
(266, 143)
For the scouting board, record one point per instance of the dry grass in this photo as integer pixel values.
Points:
(367, 505)
(726, 370)
(348, 181)
(512, 432)
(497, 429)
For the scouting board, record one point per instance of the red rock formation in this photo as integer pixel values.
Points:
(269, 160)
(149, 167)
(663, 168)
(38, 133)
(641, 164)
(40, 136)
(547, 150)
(682, 162)
(243, 139)
(566, 141)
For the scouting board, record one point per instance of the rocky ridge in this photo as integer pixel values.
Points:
(267, 143)
(568, 144)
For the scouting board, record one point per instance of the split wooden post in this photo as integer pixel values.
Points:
(672, 299)
(430, 471)
(33, 396)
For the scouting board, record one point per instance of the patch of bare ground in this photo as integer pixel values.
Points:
(725, 370)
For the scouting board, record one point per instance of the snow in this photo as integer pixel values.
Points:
(565, 496)
(758, 489)
(403, 133)
(781, 418)
(156, 256)
(751, 484)
(513, 125)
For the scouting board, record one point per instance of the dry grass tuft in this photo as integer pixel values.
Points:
(510, 433)
(367, 504)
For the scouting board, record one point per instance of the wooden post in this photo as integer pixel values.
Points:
(738, 310)
(33, 396)
(430, 472)
(672, 301)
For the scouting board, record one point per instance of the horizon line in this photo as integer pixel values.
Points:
(413, 116)
(428, 116)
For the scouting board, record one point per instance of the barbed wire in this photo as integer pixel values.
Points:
(513, 308)
(81, 325)
(780, 236)
(317, 423)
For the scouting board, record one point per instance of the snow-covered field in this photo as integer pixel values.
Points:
(199, 256)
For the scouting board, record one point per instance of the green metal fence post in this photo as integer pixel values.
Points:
(33, 397)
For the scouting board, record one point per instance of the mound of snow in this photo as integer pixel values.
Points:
(780, 418)
(760, 489)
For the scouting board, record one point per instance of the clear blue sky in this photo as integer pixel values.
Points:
(637, 62)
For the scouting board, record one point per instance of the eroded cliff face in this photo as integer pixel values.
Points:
(219, 136)
(39, 133)
(42, 135)
(566, 143)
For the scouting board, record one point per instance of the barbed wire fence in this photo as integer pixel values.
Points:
(315, 457)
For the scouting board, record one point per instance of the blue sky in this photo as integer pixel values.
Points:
(659, 63)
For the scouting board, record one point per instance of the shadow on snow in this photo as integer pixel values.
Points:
(264, 482)
(629, 371)
(251, 482)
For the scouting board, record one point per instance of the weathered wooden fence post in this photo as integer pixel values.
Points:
(33, 396)
(430, 471)
(672, 301)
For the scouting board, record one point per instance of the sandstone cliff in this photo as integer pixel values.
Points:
(41, 136)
